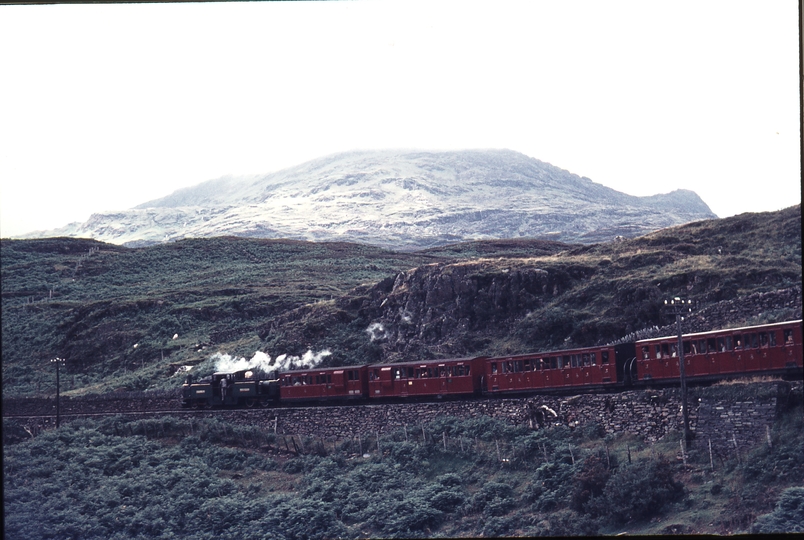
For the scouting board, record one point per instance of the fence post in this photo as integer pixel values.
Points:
(572, 456)
(711, 461)
(736, 448)
(683, 455)
(445, 441)
(767, 435)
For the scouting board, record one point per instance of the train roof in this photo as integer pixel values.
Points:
(433, 362)
(758, 327)
(555, 352)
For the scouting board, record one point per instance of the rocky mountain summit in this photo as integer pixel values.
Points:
(401, 200)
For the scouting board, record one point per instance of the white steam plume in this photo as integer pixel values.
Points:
(376, 331)
(261, 361)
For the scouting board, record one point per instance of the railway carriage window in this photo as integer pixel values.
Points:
(721, 344)
(467, 370)
(553, 362)
(518, 366)
(710, 345)
(673, 350)
(494, 368)
(527, 365)
(690, 348)
(754, 342)
(788, 337)
(658, 352)
(410, 373)
(645, 353)
(729, 343)
(772, 339)
(763, 339)
(738, 341)
(586, 360)
(593, 358)
(604, 357)
(702, 348)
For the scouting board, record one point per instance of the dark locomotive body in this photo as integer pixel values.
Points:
(764, 349)
(241, 389)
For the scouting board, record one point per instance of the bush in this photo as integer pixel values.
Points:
(787, 517)
(589, 482)
(637, 491)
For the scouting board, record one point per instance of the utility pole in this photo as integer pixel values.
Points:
(679, 306)
(58, 362)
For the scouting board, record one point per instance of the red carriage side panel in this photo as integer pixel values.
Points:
(324, 384)
(769, 348)
(593, 366)
(459, 376)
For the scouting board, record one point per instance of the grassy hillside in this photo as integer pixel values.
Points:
(112, 312)
(92, 309)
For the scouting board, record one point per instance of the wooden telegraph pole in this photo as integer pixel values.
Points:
(679, 306)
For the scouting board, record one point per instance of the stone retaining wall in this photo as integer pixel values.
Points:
(649, 414)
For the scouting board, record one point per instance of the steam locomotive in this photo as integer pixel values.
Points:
(763, 349)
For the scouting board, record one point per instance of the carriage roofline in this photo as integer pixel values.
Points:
(723, 331)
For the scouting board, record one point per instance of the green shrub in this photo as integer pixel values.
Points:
(787, 517)
(637, 491)
(589, 482)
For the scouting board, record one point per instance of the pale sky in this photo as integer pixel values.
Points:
(103, 107)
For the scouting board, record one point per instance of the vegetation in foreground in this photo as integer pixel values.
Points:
(169, 478)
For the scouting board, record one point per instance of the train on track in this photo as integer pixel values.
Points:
(773, 349)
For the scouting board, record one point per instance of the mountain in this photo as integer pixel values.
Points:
(398, 199)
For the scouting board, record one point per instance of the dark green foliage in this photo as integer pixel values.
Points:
(590, 481)
(637, 491)
(169, 477)
(787, 517)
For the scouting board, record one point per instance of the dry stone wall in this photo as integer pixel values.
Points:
(741, 414)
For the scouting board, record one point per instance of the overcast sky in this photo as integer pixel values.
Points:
(103, 107)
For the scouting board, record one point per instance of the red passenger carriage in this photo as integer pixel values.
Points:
(587, 367)
(349, 382)
(768, 348)
(460, 376)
